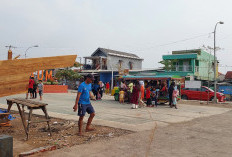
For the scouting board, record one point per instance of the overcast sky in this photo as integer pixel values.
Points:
(148, 28)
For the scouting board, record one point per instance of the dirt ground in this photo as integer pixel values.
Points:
(64, 134)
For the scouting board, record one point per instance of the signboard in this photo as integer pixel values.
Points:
(192, 84)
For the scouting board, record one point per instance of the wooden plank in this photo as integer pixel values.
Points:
(31, 101)
(21, 102)
(14, 74)
(4, 113)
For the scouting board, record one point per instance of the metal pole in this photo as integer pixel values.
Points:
(80, 62)
(112, 80)
(29, 48)
(215, 63)
(208, 76)
(26, 52)
(214, 51)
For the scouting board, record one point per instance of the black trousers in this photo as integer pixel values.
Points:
(101, 92)
(149, 101)
(95, 93)
(34, 93)
(170, 100)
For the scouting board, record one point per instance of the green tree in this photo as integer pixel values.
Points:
(169, 65)
(67, 74)
(77, 65)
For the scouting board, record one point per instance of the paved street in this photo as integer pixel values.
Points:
(111, 113)
(201, 137)
(193, 131)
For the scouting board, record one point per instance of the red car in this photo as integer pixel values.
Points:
(203, 93)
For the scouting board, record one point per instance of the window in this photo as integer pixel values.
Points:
(193, 89)
(130, 65)
(120, 63)
(177, 66)
(203, 89)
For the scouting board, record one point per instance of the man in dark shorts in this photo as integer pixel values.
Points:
(83, 103)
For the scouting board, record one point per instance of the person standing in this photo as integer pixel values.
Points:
(95, 89)
(164, 90)
(148, 96)
(141, 90)
(174, 96)
(170, 92)
(30, 87)
(154, 98)
(34, 91)
(135, 95)
(101, 84)
(121, 96)
(83, 103)
(130, 88)
(40, 88)
(107, 88)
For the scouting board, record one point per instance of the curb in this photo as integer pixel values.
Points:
(37, 150)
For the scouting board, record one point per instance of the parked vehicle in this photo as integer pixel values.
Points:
(203, 93)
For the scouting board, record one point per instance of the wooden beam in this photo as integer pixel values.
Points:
(14, 74)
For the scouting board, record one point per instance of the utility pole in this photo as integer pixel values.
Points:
(10, 51)
(215, 63)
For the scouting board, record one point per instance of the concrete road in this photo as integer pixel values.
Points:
(201, 137)
(193, 131)
(111, 113)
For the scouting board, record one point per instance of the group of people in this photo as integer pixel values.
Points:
(33, 86)
(135, 93)
(98, 89)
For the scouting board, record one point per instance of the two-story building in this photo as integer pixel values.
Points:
(106, 59)
(197, 64)
(104, 62)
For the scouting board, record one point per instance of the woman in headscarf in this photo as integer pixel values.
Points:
(135, 95)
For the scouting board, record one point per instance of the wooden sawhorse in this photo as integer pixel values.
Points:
(31, 105)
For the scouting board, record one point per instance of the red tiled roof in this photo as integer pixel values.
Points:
(228, 75)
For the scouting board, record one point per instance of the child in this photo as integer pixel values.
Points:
(154, 98)
(107, 88)
(174, 96)
(40, 87)
(148, 96)
(121, 96)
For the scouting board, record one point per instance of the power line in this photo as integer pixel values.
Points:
(208, 34)
(178, 41)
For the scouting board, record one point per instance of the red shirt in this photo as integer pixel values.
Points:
(31, 82)
(148, 94)
(164, 89)
(107, 86)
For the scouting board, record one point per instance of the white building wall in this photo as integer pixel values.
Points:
(113, 61)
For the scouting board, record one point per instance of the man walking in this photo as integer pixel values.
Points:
(83, 102)
(170, 92)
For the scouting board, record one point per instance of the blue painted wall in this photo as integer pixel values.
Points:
(106, 77)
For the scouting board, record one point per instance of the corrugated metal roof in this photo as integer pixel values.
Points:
(180, 56)
(228, 75)
(152, 77)
(118, 53)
